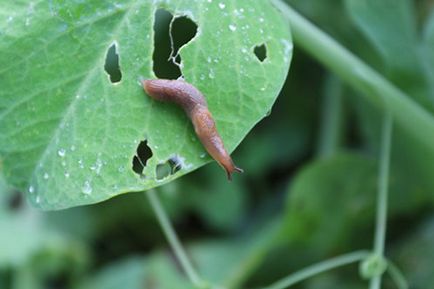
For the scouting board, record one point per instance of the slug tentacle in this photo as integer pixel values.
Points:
(194, 104)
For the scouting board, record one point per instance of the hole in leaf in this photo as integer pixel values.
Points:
(170, 35)
(144, 153)
(163, 170)
(260, 52)
(111, 65)
(170, 167)
(175, 164)
(15, 201)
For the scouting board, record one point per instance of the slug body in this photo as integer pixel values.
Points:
(194, 104)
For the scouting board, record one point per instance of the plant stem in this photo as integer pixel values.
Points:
(416, 121)
(397, 276)
(383, 181)
(331, 119)
(319, 268)
(173, 239)
(382, 195)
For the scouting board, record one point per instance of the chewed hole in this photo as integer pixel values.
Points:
(171, 33)
(183, 31)
(175, 165)
(170, 167)
(144, 153)
(15, 200)
(163, 170)
(260, 52)
(111, 65)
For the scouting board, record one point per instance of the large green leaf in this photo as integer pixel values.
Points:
(343, 188)
(69, 135)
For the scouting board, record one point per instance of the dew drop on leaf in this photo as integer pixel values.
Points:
(87, 188)
(61, 153)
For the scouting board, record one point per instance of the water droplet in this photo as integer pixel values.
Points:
(46, 176)
(222, 5)
(31, 189)
(211, 74)
(232, 27)
(202, 155)
(243, 50)
(38, 199)
(67, 175)
(61, 153)
(121, 169)
(261, 19)
(87, 188)
(80, 164)
(209, 59)
(73, 148)
(97, 166)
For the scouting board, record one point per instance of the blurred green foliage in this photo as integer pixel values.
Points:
(294, 206)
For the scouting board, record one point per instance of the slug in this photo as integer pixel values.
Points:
(194, 104)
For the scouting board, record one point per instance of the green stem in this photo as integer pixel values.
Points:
(383, 181)
(173, 240)
(417, 122)
(397, 276)
(319, 268)
(331, 120)
(382, 196)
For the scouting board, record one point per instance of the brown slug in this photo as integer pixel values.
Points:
(194, 104)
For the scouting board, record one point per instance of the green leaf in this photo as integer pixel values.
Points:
(69, 135)
(343, 188)
(391, 28)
